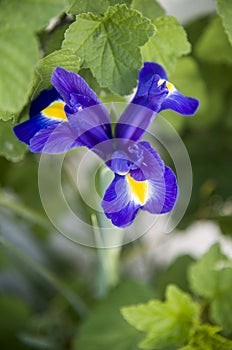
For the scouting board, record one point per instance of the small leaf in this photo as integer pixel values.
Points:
(167, 323)
(19, 56)
(5, 116)
(225, 11)
(116, 39)
(169, 43)
(64, 58)
(213, 45)
(206, 337)
(149, 8)
(35, 14)
(10, 147)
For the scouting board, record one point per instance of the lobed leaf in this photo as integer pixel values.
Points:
(10, 147)
(35, 14)
(213, 45)
(169, 43)
(77, 7)
(166, 323)
(19, 56)
(64, 58)
(109, 45)
(149, 8)
(225, 11)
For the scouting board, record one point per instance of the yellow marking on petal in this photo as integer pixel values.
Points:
(55, 110)
(138, 188)
(169, 85)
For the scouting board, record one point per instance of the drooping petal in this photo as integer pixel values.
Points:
(118, 203)
(51, 115)
(44, 99)
(163, 193)
(67, 83)
(54, 139)
(180, 103)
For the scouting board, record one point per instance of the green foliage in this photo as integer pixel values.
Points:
(105, 328)
(14, 313)
(64, 58)
(35, 14)
(211, 278)
(77, 7)
(206, 337)
(166, 323)
(19, 55)
(169, 43)
(116, 64)
(149, 8)
(10, 147)
(213, 45)
(225, 11)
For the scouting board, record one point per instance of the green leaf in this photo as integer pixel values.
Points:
(105, 328)
(5, 116)
(19, 55)
(205, 337)
(35, 14)
(225, 11)
(77, 7)
(169, 43)
(213, 45)
(64, 58)
(167, 323)
(211, 277)
(116, 39)
(149, 8)
(10, 147)
(204, 274)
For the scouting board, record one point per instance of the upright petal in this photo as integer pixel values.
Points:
(67, 83)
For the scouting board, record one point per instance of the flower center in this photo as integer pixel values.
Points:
(169, 85)
(139, 189)
(55, 110)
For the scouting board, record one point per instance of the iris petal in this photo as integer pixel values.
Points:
(67, 83)
(180, 103)
(163, 193)
(118, 204)
(54, 139)
(26, 130)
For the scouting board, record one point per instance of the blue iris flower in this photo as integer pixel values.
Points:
(70, 115)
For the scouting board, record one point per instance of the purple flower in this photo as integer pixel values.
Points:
(70, 115)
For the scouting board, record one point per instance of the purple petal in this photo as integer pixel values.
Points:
(180, 103)
(117, 203)
(54, 139)
(149, 69)
(26, 130)
(162, 193)
(152, 165)
(67, 83)
(134, 122)
(44, 99)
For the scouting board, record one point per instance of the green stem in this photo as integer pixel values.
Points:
(108, 261)
(73, 299)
